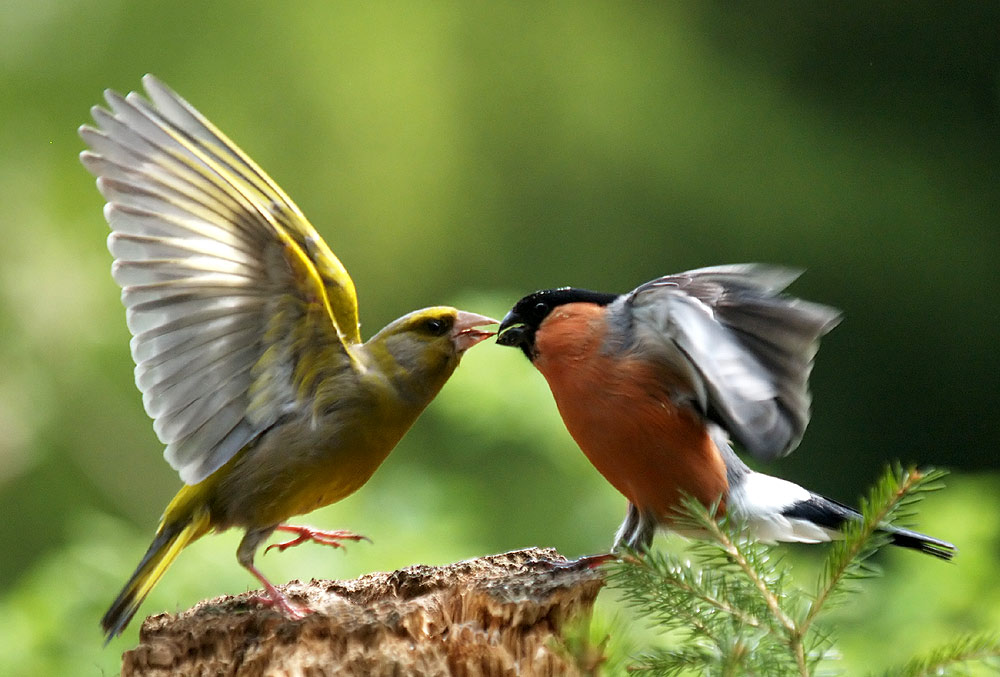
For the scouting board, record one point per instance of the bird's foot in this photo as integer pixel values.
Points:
(274, 599)
(594, 561)
(586, 562)
(304, 534)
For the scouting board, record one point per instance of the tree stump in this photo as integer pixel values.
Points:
(495, 615)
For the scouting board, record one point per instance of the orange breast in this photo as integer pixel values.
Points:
(620, 413)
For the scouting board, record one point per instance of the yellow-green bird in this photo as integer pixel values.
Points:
(246, 340)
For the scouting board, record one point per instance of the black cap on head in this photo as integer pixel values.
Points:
(519, 325)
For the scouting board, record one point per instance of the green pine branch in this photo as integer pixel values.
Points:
(982, 648)
(891, 500)
(735, 609)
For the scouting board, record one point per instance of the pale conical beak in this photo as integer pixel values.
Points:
(465, 333)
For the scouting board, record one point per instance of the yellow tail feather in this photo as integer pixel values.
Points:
(175, 533)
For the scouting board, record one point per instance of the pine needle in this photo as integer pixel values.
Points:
(736, 611)
(984, 648)
(891, 500)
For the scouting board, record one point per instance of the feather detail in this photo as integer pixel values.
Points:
(748, 348)
(228, 289)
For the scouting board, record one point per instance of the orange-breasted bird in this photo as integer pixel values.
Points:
(653, 385)
(246, 339)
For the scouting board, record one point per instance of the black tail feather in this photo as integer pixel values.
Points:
(832, 515)
(905, 538)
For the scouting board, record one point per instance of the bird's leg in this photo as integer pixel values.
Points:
(637, 531)
(331, 538)
(274, 598)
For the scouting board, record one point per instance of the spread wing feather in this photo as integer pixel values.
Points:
(747, 348)
(212, 256)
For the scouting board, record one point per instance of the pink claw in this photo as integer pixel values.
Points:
(274, 598)
(304, 534)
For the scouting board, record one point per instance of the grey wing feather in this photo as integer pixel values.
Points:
(191, 236)
(748, 349)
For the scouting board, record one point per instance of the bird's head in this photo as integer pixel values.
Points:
(519, 326)
(426, 345)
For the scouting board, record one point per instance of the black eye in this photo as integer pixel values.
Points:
(436, 326)
(541, 308)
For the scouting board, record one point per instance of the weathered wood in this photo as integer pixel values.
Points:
(495, 615)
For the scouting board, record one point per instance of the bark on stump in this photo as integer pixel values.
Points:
(496, 615)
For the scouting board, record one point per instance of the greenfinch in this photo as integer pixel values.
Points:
(246, 339)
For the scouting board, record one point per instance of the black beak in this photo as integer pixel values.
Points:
(515, 333)
(512, 330)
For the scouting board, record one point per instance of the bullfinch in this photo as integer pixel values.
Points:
(654, 386)
(246, 339)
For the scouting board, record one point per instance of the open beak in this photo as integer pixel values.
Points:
(512, 330)
(466, 334)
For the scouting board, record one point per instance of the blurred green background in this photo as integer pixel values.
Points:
(468, 153)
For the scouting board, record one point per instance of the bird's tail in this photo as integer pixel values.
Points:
(779, 510)
(914, 540)
(174, 534)
(832, 515)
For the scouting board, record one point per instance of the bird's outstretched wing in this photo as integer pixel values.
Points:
(747, 348)
(236, 305)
